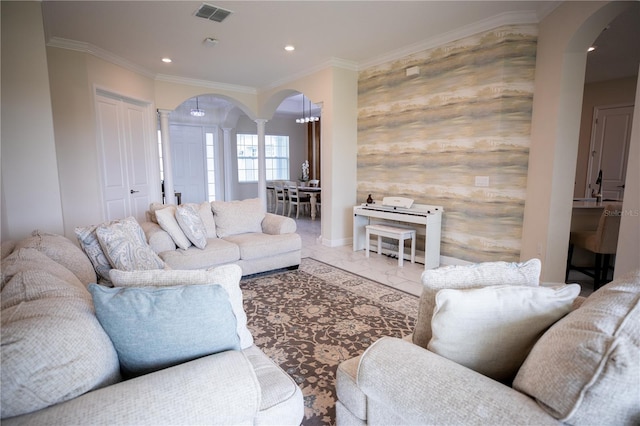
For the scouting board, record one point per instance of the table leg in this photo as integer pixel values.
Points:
(313, 206)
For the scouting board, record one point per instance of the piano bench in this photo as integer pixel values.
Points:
(400, 234)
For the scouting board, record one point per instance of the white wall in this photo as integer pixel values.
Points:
(30, 186)
(74, 78)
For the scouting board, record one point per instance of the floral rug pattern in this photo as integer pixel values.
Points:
(312, 319)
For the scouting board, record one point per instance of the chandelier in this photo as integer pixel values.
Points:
(197, 112)
(306, 118)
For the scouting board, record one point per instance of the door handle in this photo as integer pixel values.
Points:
(133, 192)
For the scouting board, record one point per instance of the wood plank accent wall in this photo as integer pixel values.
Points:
(466, 114)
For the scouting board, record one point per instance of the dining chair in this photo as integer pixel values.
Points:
(603, 242)
(281, 197)
(297, 200)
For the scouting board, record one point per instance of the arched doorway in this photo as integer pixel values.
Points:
(563, 40)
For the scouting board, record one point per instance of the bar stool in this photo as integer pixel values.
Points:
(602, 241)
(400, 234)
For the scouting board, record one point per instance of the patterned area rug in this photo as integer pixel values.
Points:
(311, 319)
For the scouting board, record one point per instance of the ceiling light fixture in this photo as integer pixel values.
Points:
(167, 60)
(591, 48)
(197, 112)
(289, 48)
(305, 118)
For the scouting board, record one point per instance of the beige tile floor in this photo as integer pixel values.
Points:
(380, 268)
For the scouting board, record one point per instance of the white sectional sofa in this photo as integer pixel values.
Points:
(60, 364)
(238, 232)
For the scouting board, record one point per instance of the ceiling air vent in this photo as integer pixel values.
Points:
(212, 13)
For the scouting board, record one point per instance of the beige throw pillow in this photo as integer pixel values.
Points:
(238, 217)
(477, 275)
(586, 368)
(167, 220)
(491, 330)
(188, 217)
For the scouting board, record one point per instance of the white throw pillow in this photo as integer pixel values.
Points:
(191, 224)
(491, 330)
(460, 277)
(228, 276)
(167, 220)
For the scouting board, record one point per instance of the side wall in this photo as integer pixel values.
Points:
(30, 188)
(466, 114)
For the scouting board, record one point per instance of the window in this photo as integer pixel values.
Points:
(276, 157)
(211, 169)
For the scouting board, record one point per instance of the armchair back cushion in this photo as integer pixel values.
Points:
(587, 365)
(466, 277)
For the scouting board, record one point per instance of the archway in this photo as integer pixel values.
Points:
(563, 40)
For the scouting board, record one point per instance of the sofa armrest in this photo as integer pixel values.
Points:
(274, 224)
(159, 240)
(217, 389)
(424, 388)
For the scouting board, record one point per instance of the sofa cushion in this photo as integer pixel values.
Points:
(88, 240)
(29, 259)
(125, 245)
(157, 327)
(258, 245)
(468, 276)
(238, 217)
(167, 220)
(61, 250)
(491, 330)
(191, 223)
(53, 348)
(228, 276)
(216, 252)
(587, 366)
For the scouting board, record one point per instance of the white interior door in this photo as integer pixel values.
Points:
(610, 151)
(189, 162)
(123, 135)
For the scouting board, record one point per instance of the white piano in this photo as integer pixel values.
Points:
(401, 210)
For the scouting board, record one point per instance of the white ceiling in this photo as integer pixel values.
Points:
(250, 51)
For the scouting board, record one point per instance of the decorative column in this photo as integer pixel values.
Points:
(228, 156)
(262, 162)
(169, 193)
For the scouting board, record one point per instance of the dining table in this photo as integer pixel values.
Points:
(313, 192)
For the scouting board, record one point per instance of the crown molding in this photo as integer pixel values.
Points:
(206, 83)
(330, 63)
(507, 18)
(98, 52)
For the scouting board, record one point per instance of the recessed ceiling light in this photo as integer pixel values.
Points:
(167, 60)
(591, 48)
(289, 48)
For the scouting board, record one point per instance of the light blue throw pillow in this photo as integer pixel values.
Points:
(155, 328)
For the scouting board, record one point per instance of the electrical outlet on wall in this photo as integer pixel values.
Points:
(482, 180)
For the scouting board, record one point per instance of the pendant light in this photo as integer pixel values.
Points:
(197, 112)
